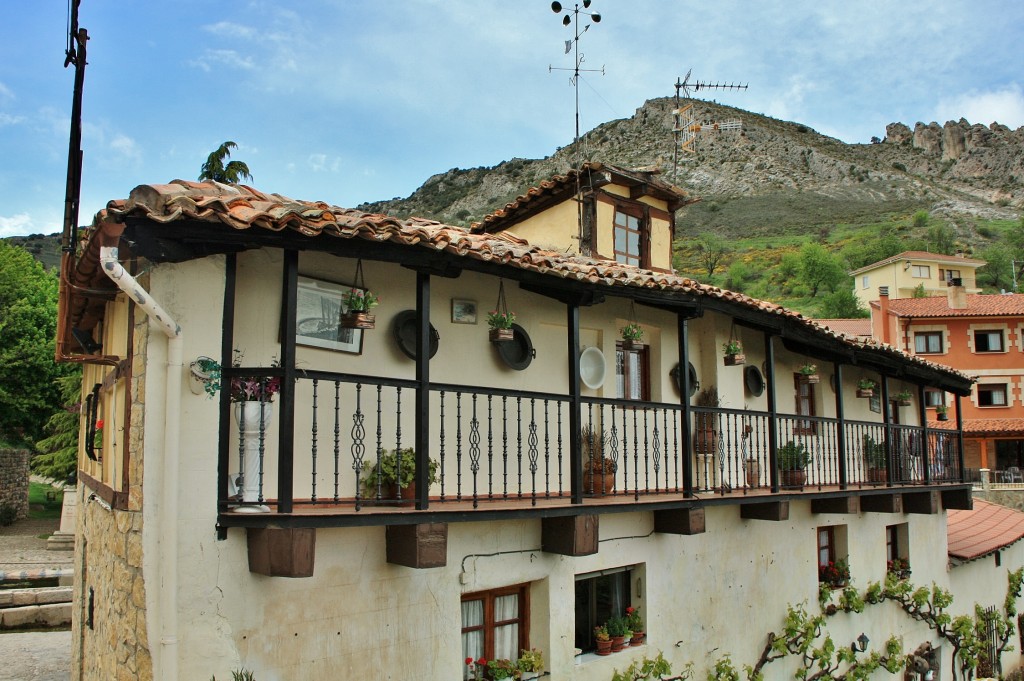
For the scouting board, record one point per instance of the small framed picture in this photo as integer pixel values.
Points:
(463, 311)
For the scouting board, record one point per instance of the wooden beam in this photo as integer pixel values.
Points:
(927, 503)
(961, 499)
(882, 503)
(417, 546)
(574, 535)
(281, 551)
(680, 521)
(836, 505)
(769, 510)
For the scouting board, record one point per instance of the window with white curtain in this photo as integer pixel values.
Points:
(600, 595)
(494, 624)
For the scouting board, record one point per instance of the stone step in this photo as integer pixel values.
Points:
(16, 598)
(32, 616)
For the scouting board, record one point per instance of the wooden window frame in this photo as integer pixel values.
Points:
(826, 544)
(892, 542)
(928, 337)
(916, 269)
(643, 232)
(992, 388)
(489, 624)
(988, 333)
(801, 400)
(645, 370)
(586, 621)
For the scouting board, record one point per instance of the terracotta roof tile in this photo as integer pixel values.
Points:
(919, 255)
(978, 305)
(242, 207)
(983, 530)
(855, 328)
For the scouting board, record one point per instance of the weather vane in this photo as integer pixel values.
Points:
(572, 17)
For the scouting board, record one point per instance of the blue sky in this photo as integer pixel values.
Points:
(348, 101)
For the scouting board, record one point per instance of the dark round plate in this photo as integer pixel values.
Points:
(404, 329)
(518, 352)
(693, 378)
(754, 380)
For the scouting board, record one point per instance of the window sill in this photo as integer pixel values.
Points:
(587, 658)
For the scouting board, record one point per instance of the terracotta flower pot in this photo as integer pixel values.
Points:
(734, 360)
(618, 643)
(865, 392)
(598, 484)
(357, 320)
(876, 475)
(632, 345)
(638, 638)
(793, 479)
(604, 647)
(501, 335)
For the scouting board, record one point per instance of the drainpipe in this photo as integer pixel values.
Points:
(167, 500)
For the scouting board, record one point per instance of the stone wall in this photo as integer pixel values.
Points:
(1011, 498)
(14, 481)
(111, 639)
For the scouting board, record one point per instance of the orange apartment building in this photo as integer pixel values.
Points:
(983, 336)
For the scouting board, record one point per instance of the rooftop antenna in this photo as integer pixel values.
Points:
(572, 17)
(685, 127)
(74, 54)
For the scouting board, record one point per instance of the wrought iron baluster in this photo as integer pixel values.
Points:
(490, 450)
(263, 435)
(337, 440)
(458, 445)
(313, 444)
(441, 438)
(358, 446)
(474, 450)
(519, 442)
(560, 455)
(675, 449)
(547, 451)
(532, 443)
(656, 450)
(613, 444)
(504, 440)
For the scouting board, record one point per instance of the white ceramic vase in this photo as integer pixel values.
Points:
(250, 422)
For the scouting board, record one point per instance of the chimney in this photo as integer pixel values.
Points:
(957, 294)
(883, 312)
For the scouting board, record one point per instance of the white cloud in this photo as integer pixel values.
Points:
(8, 119)
(126, 147)
(228, 58)
(228, 29)
(320, 163)
(1004, 106)
(6, 92)
(16, 225)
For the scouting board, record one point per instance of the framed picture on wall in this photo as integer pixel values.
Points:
(318, 310)
(463, 311)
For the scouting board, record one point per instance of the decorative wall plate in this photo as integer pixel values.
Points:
(518, 352)
(404, 329)
(592, 367)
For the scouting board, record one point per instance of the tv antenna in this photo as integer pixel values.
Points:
(685, 127)
(572, 17)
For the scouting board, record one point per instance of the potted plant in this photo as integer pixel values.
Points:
(598, 470)
(632, 336)
(500, 325)
(204, 376)
(875, 457)
(792, 459)
(603, 639)
(865, 388)
(941, 412)
(531, 663)
(704, 442)
(617, 631)
(733, 353)
(502, 669)
(358, 303)
(899, 568)
(394, 474)
(834, 574)
(636, 625)
(809, 373)
(752, 471)
(903, 398)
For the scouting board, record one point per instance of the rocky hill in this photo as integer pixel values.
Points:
(771, 176)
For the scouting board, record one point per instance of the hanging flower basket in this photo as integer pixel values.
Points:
(358, 301)
(358, 320)
(809, 374)
(500, 320)
(865, 388)
(903, 398)
(632, 333)
(942, 415)
(500, 334)
(733, 353)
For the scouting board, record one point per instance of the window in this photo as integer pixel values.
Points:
(804, 406)
(933, 398)
(988, 341)
(949, 275)
(864, 281)
(992, 395)
(921, 271)
(600, 595)
(629, 233)
(494, 624)
(826, 546)
(832, 566)
(632, 371)
(927, 341)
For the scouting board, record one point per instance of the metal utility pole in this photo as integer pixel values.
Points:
(572, 17)
(74, 54)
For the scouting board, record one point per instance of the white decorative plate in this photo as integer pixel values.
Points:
(592, 367)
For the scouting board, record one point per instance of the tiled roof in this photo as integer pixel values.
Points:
(855, 328)
(544, 192)
(920, 255)
(242, 208)
(978, 305)
(983, 530)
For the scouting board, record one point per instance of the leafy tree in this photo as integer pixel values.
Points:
(997, 272)
(1014, 238)
(819, 268)
(842, 304)
(711, 249)
(920, 220)
(28, 324)
(941, 239)
(919, 292)
(214, 168)
(58, 451)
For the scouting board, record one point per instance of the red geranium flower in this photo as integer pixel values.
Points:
(469, 660)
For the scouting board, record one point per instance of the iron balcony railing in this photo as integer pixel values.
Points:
(492, 445)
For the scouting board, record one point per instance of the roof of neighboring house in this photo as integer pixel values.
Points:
(920, 255)
(978, 305)
(208, 207)
(983, 530)
(591, 175)
(855, 328)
